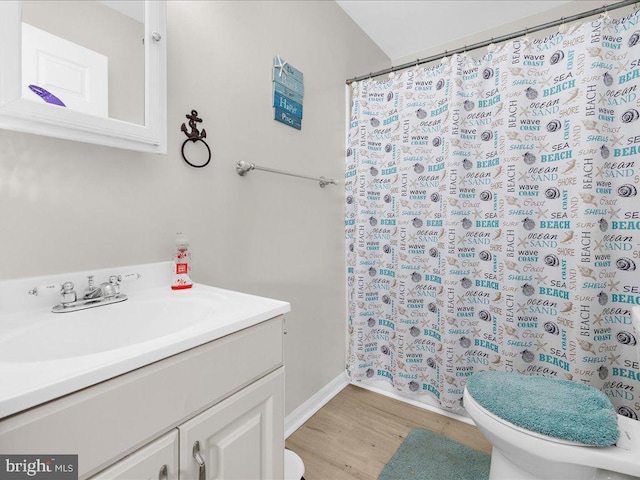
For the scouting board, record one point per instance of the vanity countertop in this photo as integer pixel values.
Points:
(47, 355)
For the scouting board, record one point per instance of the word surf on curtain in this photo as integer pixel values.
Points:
(492, 217)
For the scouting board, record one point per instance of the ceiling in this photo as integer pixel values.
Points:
(401, 28)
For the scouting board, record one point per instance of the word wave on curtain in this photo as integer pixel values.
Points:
(492, 217)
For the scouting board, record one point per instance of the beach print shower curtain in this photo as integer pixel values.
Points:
(493, 217)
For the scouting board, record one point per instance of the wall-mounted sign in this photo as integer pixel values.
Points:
(288, 92)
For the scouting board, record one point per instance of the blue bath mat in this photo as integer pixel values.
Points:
(426, 455)
(551, 406)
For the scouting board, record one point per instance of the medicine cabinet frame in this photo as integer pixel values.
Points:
(19, 114)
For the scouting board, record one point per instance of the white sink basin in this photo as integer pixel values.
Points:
(109, 327)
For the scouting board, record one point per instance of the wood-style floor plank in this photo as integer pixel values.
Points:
(354, 435)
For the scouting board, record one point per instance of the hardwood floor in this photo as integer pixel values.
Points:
(358, 431)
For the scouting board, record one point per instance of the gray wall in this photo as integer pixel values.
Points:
(68, 206)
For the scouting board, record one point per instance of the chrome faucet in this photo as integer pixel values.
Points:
(92, 296)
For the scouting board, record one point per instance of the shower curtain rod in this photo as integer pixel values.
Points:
(503, 38)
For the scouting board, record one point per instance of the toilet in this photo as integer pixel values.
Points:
(523, 454)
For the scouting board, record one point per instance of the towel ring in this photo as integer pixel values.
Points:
(194, 136)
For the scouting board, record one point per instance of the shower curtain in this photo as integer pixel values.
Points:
(492, 217)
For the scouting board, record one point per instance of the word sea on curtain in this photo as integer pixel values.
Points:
(492, 217)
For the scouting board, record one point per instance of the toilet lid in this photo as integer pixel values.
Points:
(553, 407)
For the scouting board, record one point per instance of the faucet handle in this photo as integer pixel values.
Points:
(128, 277)
(67, 293)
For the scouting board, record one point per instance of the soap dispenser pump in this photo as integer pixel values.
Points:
(181, 264)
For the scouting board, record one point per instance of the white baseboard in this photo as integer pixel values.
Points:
(425, 406)
(301, 414)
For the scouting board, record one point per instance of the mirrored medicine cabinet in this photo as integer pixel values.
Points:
(93, 71)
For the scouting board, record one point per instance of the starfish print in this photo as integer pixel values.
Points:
(367, 337)
(614, 359)
(461, 299)
(378, 364)
(613, 213)
(380, 312)
(381, 263)
(463, 181)
(416, 129)
(281, 65)
(412, 291)
(613, 285)
(477, 273)
(623, 67)
(524, 111)
(541, 279)
(475, 332)
(368, 286)
(464, 122)
(540, 346)
(545, 82)
(602, 99)
(543, 147)
(617, 140)
(521, 372)
(432, 104)
(541, 213)
(599, 245)
(523, 177)
(462, 241)
(424, 377)
(478, 154)
(412, 237)
(597, 319)
(599, 171)
(522, 242)
(480, 92)
(425, 323)
(522, 308)
(477, 213)
(460, 359)
(369, 235)
(427, 212)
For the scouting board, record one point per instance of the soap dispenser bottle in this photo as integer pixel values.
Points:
(181, 264)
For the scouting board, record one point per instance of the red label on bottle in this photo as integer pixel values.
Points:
(182, 268)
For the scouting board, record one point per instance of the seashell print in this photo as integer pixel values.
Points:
(387, 198)
(604, 151)
(385, 350)
(437, 141)
(376, 123)
(634, 38)
(373, 221)
(604, 225)
(431, 362)
(388, 148)
(626, 338)
(607, 79)
(416, 277)
(440, 84)
(627, 412)
(351, 247)
(373, 171)
(386, 249)
(434, 197)
(567, 237)
(433, 252)
(486, 195)
(528, 224)
(369, 372)
(603, 298)
(466, 282)
(625, 264)
(528, 289)
(556, 57)
(603, 372)
(551, 260)
(432, 307)
(417, 222)
(484, 316)
(627, 191)
(468, 105)
(554, 126)
(349, 199)
(389, 96)
(414, 331)
(418, 168)
(386, 299)
(552, 193)
(467, 164)
(529, 158)
(630, 115)
(413, 386)
(528, 356)
(349, 151)
(372, 272)
(485, 255)
(487, 73)
(371, 322)
(552, 328)
(465, 342)
(595, 51)
(466, 223)
(486, 135)
(421, 114)
(531, 93)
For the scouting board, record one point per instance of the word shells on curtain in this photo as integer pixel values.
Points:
(492, 217)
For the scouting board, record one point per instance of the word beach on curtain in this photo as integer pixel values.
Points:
(492, 217)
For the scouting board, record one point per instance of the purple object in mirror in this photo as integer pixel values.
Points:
(46, 95)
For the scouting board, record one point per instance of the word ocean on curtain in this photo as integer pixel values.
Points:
(492, 217)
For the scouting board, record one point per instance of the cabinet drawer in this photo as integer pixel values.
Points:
(105, 422)
(147, 463)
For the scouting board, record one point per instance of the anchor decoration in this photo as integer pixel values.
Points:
(195, 135)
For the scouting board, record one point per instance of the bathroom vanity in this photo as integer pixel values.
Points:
(206, 401)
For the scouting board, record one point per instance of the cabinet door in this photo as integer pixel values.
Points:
(156, 460)
(241, 438)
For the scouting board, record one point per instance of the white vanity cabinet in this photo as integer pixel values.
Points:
(227, 394)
